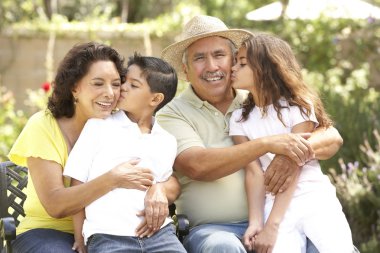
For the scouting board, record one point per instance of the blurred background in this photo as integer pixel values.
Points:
(336, 41)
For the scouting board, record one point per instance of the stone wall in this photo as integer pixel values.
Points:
(23, 59)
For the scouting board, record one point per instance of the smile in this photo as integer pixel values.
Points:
(104, 104)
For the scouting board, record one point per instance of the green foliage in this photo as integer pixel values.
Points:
(11, 122)
(358, 188)
(352, 105)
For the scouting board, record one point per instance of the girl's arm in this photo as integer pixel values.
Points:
(254, 186)
(78, 219)
(267, 237)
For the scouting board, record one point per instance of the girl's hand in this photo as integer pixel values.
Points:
(266, 239)
(249, 236)
(295, 146)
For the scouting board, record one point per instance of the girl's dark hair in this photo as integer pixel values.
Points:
(277, 74)
(74, 66)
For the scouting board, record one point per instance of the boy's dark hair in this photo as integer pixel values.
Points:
(73, 68)
(160, 76)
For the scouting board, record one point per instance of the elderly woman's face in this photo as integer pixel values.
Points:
(98, 91)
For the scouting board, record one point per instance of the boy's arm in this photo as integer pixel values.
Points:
(78, 220)
(254, 186)
(325, 143)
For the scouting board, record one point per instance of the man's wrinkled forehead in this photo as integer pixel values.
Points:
(210, 44)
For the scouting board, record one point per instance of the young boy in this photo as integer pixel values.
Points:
(110, 222)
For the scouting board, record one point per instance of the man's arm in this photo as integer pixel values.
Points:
(325, 143)
(208, 164)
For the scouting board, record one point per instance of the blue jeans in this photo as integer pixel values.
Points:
(41, 240)
(221, 238)
(165, 240)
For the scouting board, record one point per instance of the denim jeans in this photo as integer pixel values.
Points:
(41, 240)
(221, 238)
(165, 240)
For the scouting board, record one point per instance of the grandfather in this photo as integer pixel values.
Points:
(208, 165)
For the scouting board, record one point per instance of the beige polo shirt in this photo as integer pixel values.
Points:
(196, 123)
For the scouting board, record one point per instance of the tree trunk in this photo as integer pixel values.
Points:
(124, 10)
(48, 9)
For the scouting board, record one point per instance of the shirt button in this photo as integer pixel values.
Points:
(216, 113)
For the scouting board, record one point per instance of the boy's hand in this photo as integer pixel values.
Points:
(79, 247)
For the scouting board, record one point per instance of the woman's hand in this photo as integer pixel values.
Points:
(127, 175)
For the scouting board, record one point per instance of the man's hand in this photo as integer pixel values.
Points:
(280, 173)
(156, 206)
(142, 229)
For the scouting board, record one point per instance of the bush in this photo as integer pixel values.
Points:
(359, 192)
(353, 106)
(11, 122)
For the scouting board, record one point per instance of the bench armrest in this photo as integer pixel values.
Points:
(7, 232)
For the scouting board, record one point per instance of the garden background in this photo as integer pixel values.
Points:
(340, 57)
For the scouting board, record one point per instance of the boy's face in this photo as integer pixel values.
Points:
(136, 96)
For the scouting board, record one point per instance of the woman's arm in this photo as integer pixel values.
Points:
(60, 201)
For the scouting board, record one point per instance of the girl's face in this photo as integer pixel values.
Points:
(98, 91)
(136, 97)
(242, 74)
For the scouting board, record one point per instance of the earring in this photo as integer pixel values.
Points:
(75, 100)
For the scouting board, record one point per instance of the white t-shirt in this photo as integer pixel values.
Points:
(105, 143)
(257, 126)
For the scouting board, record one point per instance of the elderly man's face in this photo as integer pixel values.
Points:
(209, 62)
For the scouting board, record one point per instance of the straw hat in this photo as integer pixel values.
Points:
(197, 28)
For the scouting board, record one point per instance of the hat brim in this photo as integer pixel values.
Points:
(173, 54)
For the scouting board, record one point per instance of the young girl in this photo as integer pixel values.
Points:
(280, 102)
